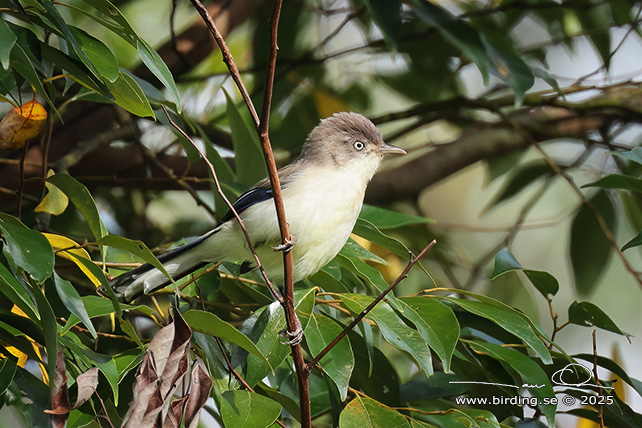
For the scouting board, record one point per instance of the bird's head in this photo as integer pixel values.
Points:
(347, 140)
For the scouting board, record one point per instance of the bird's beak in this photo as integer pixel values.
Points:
(388, 149)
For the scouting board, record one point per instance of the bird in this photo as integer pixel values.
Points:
(323, 192)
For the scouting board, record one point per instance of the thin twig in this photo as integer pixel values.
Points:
(365, 312)
(600, 408)
(288, 278)
(228, 59)
(228, 203)
(262, 125)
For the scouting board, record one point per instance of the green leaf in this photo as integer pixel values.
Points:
(72, 301)
(366, 272)
(504, 262)
(393, 329)
(49, 329)
(389, 219)
(373, 373)
(339, 362)
(544, 282)
(353, 250)
(90, 358)
(61, 25)
(364, 412)
(7, 41)
(386, 14)
(16, 292)
(589, 248)
(155, 64)
(526, 370)
(98, 53)
(592, 19)
(436, 323)
(618, 181)
(138, 248)
(634, 242)
(99, 307)
(249, 161)
(129, 95)
(369, 231)
(7, 371)
(634, 155)
(509, 65)
(28, 248)
(77, 71)
(614, 368)
(82, 199)
(589, 315)
(507, 318)
(265, 325)
(120, 26)
(247, 409)
(208, 323)
(518, 181)
(457, 32)
(21, 63)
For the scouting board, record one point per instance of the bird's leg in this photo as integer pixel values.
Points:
(286, 246)
(296, 335)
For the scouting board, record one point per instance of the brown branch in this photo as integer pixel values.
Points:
(288, 280)
(365, 312)
(262, 125)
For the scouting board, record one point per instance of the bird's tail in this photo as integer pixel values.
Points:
(146, 278)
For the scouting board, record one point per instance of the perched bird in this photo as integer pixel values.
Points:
(323, 192)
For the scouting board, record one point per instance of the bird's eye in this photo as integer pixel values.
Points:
(358, 145)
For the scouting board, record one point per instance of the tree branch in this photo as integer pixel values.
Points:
(262, 125)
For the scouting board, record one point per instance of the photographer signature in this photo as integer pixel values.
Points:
(582, 377)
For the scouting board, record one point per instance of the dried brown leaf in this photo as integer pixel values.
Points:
(200, 387)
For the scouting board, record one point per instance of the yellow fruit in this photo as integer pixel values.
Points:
(21, 124)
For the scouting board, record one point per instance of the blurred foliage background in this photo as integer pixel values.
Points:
(521, 119)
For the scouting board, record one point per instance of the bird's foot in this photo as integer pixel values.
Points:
(286, 246)
(296, 335)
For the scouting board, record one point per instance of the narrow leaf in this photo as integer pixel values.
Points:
(129, 95)
(589, 248)
(82, 199)
(389, 219)
(618, 181)
(457, 32)
(208, 323)
(387, 16)
(250, 164)
(8, 41)
(393, 329)
(71, 299)
(510, 320)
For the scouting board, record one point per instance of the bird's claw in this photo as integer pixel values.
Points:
(296, 335)
(286, 246)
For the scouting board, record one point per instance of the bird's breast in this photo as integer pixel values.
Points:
(321, 211)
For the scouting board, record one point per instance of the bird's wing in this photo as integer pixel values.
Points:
(247, 199)
(261, 191)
